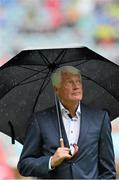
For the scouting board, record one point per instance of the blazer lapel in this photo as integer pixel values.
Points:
(55, 119)
(83, 125)
(66, 143)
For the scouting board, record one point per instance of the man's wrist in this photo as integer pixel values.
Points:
(51, 167)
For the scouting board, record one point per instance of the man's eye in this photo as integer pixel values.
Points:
(69, 82)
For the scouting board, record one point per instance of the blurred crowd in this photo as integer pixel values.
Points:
(47, 23)
(6, 172)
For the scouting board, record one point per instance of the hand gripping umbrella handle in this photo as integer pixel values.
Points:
(76, 150)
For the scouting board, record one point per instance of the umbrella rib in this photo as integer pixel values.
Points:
(75, 60)
(28, 78)
(19, 83)
(84, 61)
(41, 88)
(29, 68)
(72, 60)
(33, 69)
(100, 86)
(61, 55)
(24, 65)
(31, 81)
(44, 58)
(55, 61)
(32, 65)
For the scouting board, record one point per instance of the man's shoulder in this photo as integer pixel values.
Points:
(45, 112)
(94, 115)
(92, 109)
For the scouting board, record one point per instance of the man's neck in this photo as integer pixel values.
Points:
(71, 107)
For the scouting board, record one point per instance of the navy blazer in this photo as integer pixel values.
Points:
(95, 159)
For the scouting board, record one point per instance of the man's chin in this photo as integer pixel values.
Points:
(76, 99)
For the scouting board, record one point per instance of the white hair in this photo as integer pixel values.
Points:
(56, 76)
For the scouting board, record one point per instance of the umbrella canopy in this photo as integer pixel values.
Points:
(25, 85)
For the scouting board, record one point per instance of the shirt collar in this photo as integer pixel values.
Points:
(65, 111)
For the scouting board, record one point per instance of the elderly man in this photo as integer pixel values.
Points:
(86, 151)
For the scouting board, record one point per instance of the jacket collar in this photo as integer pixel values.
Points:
(65, 111)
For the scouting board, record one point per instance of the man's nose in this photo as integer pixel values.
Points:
(75, 85)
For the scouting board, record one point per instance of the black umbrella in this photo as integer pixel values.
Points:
(25, 85)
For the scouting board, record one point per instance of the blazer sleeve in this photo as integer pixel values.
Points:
(32, 162)
(106, 152)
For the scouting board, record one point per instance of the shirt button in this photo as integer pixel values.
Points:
(71, 131)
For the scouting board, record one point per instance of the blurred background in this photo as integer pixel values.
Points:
(30, 24)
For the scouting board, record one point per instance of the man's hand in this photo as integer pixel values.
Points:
(60, 155)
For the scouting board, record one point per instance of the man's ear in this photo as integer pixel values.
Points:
(55, 90)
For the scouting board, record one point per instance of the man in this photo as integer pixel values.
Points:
(87, 149)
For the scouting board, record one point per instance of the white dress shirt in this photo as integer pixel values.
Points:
(72, 127)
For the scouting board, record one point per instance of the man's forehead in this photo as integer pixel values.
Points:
(69, 75)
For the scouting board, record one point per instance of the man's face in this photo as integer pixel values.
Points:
(70, 89)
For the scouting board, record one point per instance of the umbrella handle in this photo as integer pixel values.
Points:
(76, 148)
(61, 142)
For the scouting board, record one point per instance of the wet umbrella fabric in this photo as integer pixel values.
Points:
(25, 85)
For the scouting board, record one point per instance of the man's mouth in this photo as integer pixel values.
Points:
(76, 93)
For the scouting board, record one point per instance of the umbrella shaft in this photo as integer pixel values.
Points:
(58, 116)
